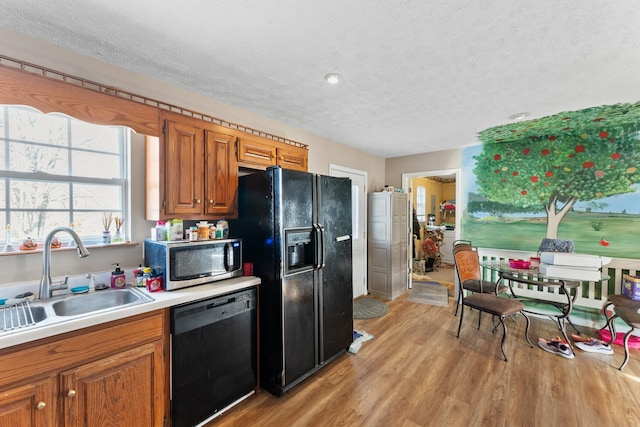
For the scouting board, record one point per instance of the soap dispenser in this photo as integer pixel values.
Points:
(118, 279)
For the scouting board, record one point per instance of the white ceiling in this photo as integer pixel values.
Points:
(418, 75)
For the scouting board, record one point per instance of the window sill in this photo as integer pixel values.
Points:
(63, 249)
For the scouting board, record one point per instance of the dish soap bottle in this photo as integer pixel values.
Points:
(118, 279)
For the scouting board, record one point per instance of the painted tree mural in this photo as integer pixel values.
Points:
(549, 164)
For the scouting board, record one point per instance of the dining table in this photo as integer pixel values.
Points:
(555, 296)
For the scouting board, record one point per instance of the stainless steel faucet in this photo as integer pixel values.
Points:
(46, 287)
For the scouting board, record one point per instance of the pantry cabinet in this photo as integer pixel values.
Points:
(262, 153)
(387, 255)
(197, 171)
(109, 374)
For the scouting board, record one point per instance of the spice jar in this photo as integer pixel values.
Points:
(193, 234)
(203, 230)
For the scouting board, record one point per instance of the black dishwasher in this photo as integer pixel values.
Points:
(213, 355)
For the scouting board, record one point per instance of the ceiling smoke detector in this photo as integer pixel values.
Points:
(333, 78)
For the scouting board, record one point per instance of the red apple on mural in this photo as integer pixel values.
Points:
(604, 242)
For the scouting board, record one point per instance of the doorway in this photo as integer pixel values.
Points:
(359, 224)
(438, 206)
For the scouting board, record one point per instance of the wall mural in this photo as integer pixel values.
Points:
(573, 175)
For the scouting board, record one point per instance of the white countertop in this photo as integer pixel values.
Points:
(161, 300)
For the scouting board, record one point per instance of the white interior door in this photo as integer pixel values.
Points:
(359, 224)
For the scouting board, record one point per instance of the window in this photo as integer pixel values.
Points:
(421, 203)
(59, 171)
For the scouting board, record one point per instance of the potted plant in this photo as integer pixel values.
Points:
(430, 250)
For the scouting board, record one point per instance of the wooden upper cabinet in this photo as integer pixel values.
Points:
(263, 153)
(221, 174)
(256, 153)
(184, 179)
(291, 157)
(198, 171)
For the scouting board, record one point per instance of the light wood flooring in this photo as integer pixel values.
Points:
(416, 373)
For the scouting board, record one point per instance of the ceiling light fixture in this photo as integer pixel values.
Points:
(333, 78)
(519, 116)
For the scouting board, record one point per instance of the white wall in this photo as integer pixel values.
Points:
(322, 152)
(439, 160)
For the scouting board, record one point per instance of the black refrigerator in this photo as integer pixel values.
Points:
(296, 230)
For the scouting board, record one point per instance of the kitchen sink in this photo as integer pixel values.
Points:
(75, 305)
(26, 315)
(17, 316)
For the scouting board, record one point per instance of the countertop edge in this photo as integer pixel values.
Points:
(161, 300)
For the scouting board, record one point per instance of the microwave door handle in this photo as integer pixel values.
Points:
(228, 256)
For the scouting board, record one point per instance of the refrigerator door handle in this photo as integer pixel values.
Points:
(321, 228)
(317, 247)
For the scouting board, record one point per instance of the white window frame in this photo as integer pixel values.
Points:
(124, 150)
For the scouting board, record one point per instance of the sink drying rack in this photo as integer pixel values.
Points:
(17, 315)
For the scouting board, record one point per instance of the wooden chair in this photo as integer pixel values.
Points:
(499, 307)
(484, 296)
(467, 264)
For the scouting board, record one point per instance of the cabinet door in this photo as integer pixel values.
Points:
(221, 174)
(292, 158)
(256, 153)
(184, 178)
(125, 389)
(29, 405)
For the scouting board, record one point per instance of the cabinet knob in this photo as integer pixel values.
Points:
(41, 405)
(71, 393)
(197, 200)
(210, 201)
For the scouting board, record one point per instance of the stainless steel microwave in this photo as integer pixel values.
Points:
(186, 263)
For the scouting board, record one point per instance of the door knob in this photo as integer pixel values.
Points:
(71, 393)
(41, 405)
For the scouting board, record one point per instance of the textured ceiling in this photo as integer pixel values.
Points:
(418, 75)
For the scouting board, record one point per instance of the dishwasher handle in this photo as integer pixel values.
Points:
(220, 301)
(195, 315)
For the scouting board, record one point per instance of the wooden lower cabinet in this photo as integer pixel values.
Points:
(117, 390)
(32, 404)
(125, 386)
